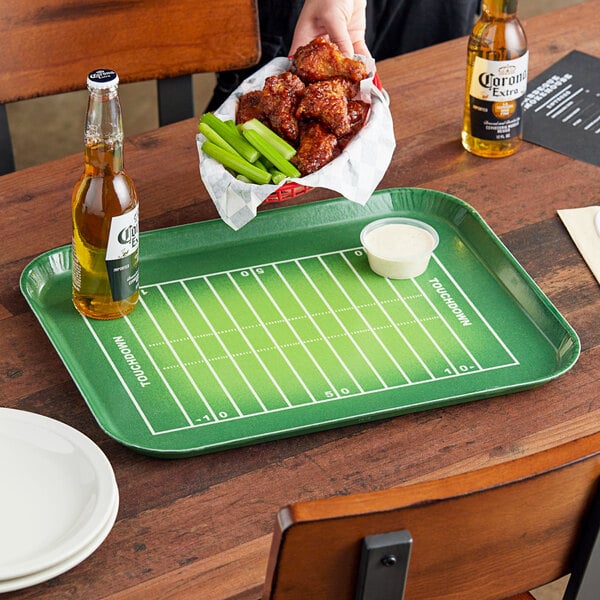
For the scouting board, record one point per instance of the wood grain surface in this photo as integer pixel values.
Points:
(484, 534)
(201, 527)
(49, 46)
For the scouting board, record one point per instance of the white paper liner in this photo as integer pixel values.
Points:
(354, 174)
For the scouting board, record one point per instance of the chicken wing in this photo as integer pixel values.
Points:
(327, 101)
(250, 107)
(322, 59)
(317, 147)
(357, 113)
(280, 97)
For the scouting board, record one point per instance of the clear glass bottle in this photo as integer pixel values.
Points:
(497, 61)
(104, 211)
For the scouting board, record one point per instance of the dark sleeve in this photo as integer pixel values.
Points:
(277, 20)
(398, 26)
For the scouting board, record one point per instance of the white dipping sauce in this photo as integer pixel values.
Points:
(397, 241)
(398, 249)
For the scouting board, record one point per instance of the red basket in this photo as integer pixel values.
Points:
(291, 189)
(287, 191)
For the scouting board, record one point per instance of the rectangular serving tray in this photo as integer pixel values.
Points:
(281, 328)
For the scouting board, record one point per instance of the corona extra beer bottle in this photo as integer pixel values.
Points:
(104, 211)
(497, 60)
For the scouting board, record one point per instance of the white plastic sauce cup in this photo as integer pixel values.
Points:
(399, 247)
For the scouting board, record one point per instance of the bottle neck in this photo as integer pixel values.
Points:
(500, 8)
(104, 133)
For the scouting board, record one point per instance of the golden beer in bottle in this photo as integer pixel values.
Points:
(497, 61)
(104, 211)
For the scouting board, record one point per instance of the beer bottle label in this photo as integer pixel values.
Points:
(76, 268)
(496, 95)
(122, 255)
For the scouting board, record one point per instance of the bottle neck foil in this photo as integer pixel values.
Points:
(500, 8)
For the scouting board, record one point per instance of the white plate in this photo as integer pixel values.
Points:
(58, 492)
(18, 583)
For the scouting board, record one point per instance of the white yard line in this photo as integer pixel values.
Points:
(119, 376)
(294, 332)
(390, 320)
(316, 326)
(447, 324)
(341, 324)
(358, 312)
(476, 311)
(270, 336)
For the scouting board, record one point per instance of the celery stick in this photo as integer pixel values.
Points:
(277, 176)
(260, 163)
(272, 155)
(236, 163)
(266, 163)
(285, 149)
(231, 136)
(211, 135)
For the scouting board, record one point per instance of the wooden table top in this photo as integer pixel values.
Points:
(200, 527)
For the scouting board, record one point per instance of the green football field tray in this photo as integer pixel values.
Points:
(281, 328)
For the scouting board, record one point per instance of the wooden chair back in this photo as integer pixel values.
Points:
(49, 46)
(486, 535)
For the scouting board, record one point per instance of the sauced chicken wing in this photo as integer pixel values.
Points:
(317, 147)
(250, 107)
(321, 59)
(280, 97)
(357, 113)
(327, 101)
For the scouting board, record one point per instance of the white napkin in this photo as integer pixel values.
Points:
(354, 174)
(583, 225)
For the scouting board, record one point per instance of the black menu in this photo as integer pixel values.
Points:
(561, 109)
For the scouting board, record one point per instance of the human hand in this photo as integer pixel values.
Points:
(343, 20)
